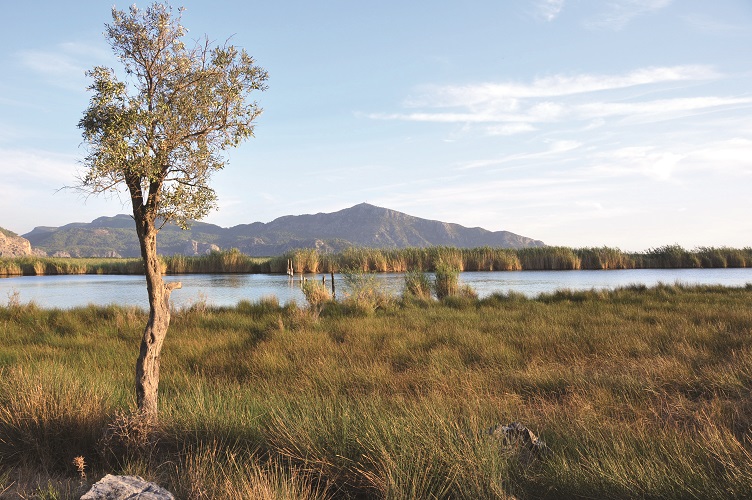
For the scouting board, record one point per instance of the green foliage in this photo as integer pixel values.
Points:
(160, 130)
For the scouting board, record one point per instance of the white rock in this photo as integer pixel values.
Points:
(126, 488)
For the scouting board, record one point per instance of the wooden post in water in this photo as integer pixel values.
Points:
(334, 295)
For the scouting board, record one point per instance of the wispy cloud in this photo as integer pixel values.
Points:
(618, 13)
(510, 108)
(553, 148)
(596, 112)
(505, 94)
(661, 109)
(733, 155)
(650, 161)
(34, 180)
(65, 64)
(510, 129)
(52, 170)
(11, 133)
(671, 161)
(712, 26)
(549, 9)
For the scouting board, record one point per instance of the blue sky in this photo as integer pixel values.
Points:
(625, 123)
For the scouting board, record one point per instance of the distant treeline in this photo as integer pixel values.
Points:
(398, 260)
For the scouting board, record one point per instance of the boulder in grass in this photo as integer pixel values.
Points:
(126, 488)
(517, 435)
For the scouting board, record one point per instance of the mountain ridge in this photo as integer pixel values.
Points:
(362, 225)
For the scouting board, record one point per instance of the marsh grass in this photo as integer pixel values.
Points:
(397, 260)
(446, 280)
(364, 293)
(417, 285)
(638, 392)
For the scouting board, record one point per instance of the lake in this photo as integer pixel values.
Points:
(228, 289)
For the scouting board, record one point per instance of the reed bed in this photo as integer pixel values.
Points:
(229, 261)
(638, 393)
(504, 259)
(399, 260)
(38, 266)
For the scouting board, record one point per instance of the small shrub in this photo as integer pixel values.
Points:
(127, 435)
(366, 293)
(14, 299)
(467, 292)
(316, 294)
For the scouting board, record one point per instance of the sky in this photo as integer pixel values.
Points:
(625, 123)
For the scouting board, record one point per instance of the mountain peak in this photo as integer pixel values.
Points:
(363, 225)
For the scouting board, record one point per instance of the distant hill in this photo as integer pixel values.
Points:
(363, 225)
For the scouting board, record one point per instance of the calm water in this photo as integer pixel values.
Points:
(223, 289)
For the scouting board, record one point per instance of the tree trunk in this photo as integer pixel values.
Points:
(147, 366)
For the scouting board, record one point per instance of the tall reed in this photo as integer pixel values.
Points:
(548, 258)
(446, 280)
(398, 260)
(603, 258)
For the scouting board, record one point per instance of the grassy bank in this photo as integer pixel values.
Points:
(399, 260)
(638, 393)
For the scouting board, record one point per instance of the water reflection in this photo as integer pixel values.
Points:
(229, 289)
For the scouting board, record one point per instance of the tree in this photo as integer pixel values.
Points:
(160, 132)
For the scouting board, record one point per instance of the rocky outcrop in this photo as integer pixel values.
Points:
(12, 245)
(126, 487)
(198, 248)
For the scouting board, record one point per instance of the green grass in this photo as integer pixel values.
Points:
(638, 392)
